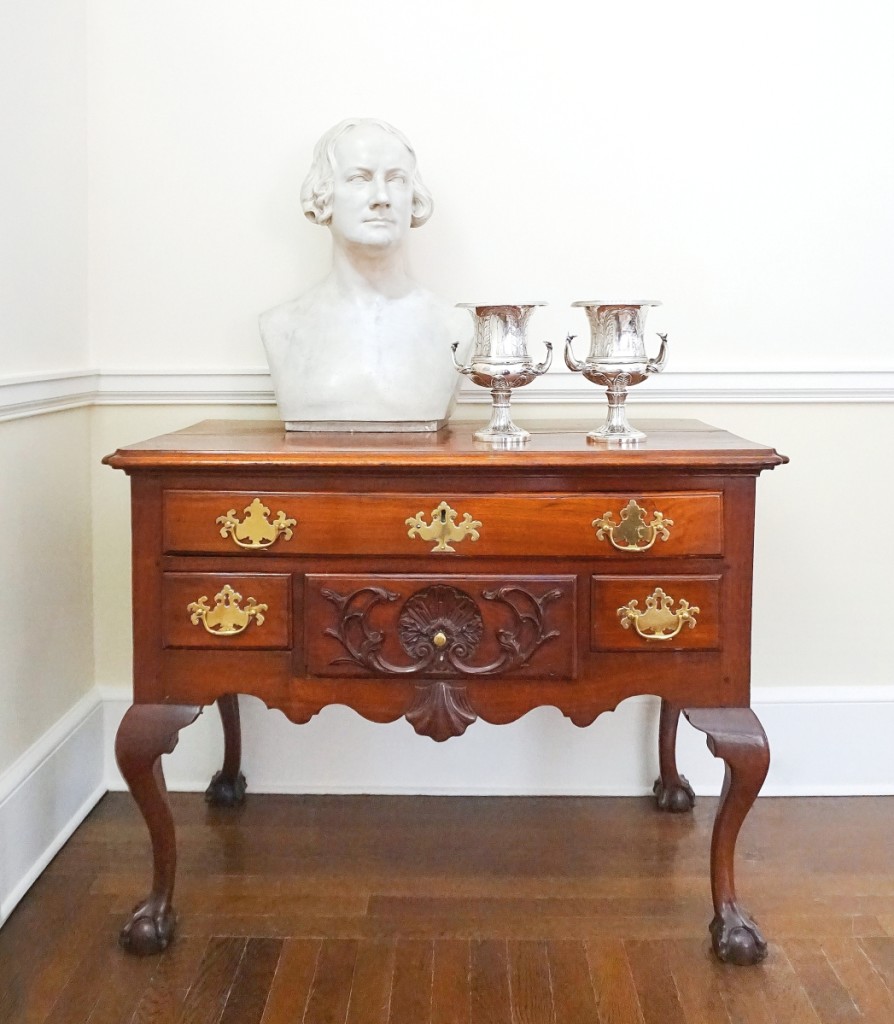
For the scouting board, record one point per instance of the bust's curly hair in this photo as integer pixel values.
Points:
(316, 192)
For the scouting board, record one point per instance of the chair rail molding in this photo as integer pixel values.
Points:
(35, 394)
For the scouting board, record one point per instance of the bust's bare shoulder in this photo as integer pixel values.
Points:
(288, 314)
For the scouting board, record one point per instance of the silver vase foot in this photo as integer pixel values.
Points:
(616, 426)
(501, 430)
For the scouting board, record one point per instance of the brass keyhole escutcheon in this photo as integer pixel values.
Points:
(443, 527)
(439, 639)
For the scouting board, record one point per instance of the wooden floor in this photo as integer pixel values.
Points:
(433, 910)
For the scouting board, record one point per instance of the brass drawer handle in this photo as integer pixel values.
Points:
(227, 617)
(657, 621)
(633, 533)
(255, 531)
(443, 527)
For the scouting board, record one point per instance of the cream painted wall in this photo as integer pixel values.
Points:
(46, 601)
(732, 161)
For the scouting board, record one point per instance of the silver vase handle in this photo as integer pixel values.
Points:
(656, 365)
(570, 361)
(462, 369)
(547, 362)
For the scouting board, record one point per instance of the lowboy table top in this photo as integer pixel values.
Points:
(687, 444)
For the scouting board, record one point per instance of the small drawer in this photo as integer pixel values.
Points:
(655, 613)
(225, 611)
(440, 626)
(599, 525)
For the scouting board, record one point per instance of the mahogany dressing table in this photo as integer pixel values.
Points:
(434, 578)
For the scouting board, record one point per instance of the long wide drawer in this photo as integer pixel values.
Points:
(599, 525)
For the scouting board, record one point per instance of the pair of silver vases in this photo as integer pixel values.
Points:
(617, 360)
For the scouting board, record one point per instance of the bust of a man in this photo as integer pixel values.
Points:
(367, 348)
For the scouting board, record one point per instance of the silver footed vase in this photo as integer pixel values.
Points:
(617, 360)
(500, 362)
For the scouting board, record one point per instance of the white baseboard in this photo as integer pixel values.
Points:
(46, 794)
(833, 740)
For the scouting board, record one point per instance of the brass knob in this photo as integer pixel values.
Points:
(255, 530)
(439, 639)
(633, 533)
(227, 617)
(657, 621)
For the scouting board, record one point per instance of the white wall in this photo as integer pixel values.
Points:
(46, 605)
(733, 162)
(43, 187)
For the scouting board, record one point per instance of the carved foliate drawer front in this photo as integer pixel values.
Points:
(430, 626)
(448, 525)
(655, 613)
(226, 611)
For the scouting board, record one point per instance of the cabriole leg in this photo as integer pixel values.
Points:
(736, 736)
(672, 790)
(227, 788)
(146, 732)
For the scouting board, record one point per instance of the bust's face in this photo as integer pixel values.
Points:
(372, 202)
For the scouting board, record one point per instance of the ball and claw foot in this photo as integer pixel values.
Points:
(147, 932)
(224, 792)
(676, 798)
(737, 939)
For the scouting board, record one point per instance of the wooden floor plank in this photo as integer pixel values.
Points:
(290, 988)
(828, 996)
(177, 970)
(697, 982)
(371, 988)
(530, 988)
(451, 985)
(655, 986)
(572, 989)
(330, 991)
(613, 983)
(863, 983)
(785, 995)
(880, 952)
(208, 994)
(47, 910)
(251, 986)
(412, 982)
(58, 973)
(489, 982)
(745, 995)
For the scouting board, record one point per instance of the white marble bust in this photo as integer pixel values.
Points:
(367, 348)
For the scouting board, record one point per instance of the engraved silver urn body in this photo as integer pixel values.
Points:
(500, 362)
(617, 360)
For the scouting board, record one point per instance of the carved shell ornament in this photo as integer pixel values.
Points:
(439, 621)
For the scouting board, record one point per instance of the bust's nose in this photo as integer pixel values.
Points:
(380, 195)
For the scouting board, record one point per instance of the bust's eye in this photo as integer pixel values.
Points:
(398, 178)
(357, 176)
